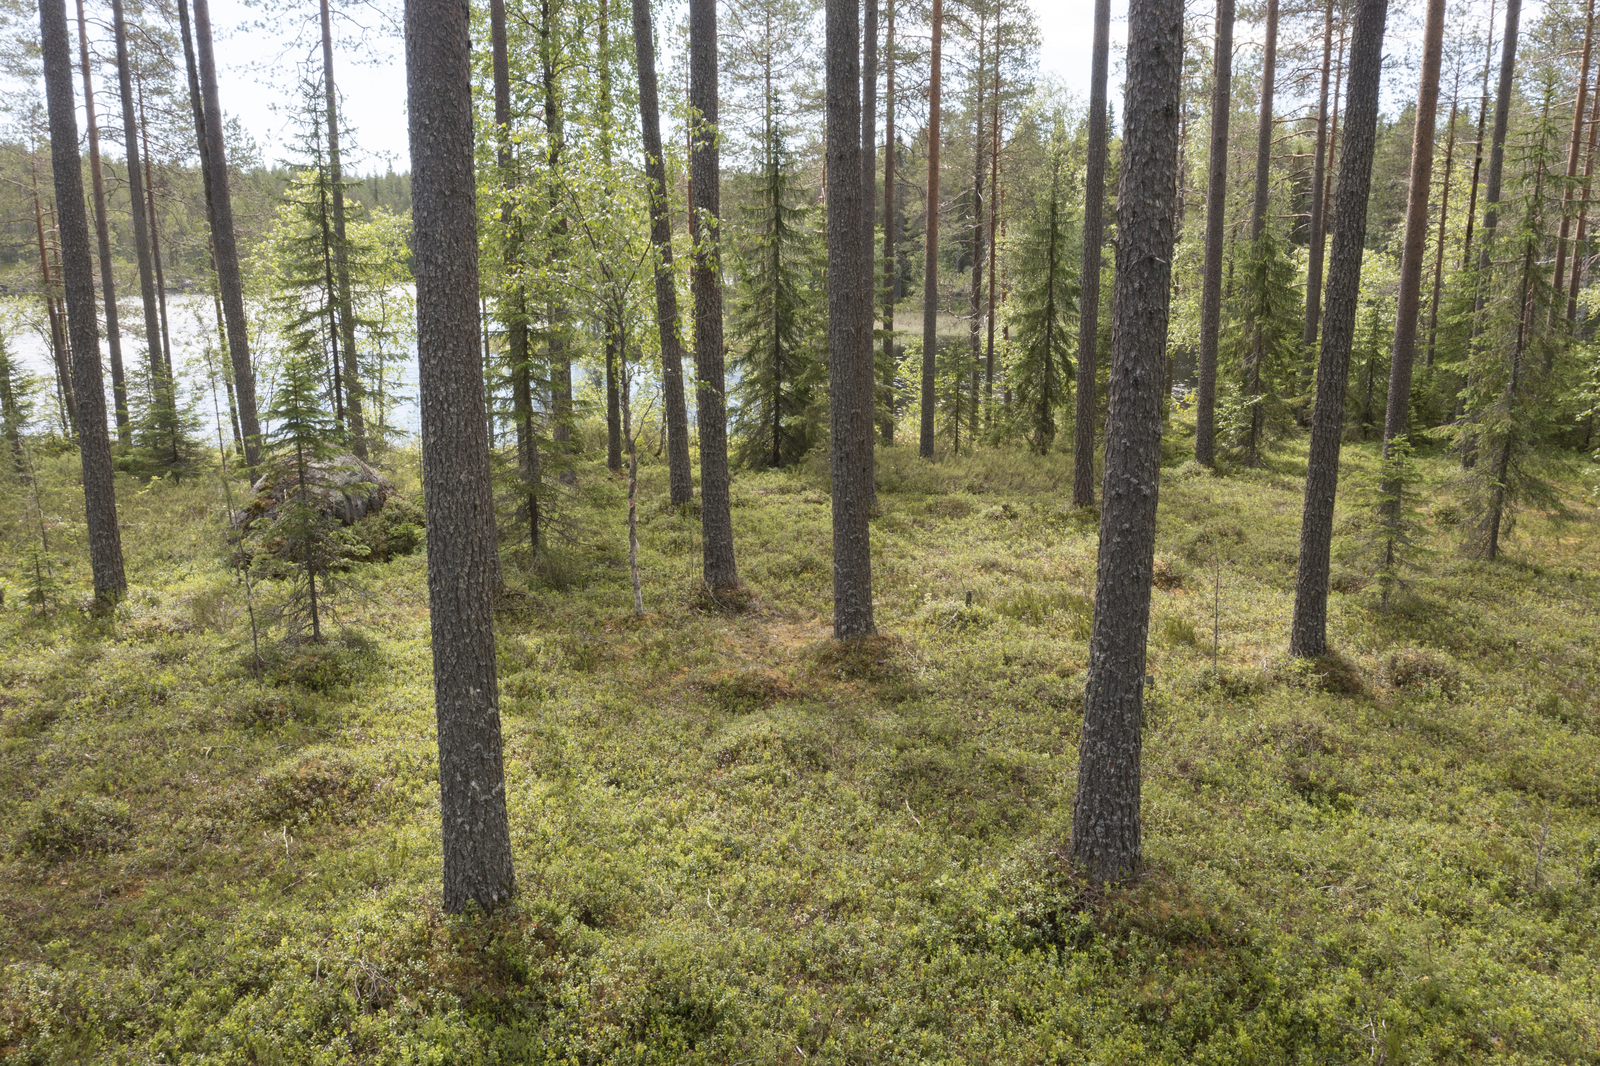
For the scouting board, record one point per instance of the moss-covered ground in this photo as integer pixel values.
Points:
(737, 843)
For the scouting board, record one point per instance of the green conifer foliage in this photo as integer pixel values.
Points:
(1045, 302)
(777, 411)
(1509, 394)
(303, 543)
(1263, 340)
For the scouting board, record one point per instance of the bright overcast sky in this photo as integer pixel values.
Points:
(375, 94)
(375, 91)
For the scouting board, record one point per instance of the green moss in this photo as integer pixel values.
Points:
(739, 841)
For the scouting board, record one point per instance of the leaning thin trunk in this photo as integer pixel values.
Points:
(681, 485)
(229, 279)
(1444, 219)
(1408, 301)
(1309, 632)
(1477, 154)
(1583, 217)
(119, 387)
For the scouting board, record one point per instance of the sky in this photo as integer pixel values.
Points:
(256, 66)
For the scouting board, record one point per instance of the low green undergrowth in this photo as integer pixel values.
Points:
(740, 842)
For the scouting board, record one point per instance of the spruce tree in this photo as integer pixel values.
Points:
(1046, 302)
(776, 412)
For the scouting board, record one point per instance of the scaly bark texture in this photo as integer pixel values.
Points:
(1497, 140)
(1574, 152)
(1105, 813)
(77, 274)
(1205, 426)
(891, 232)
(223, 241)
(119, 387)
(866, 382)
(1409, 300)
(161, 386)
(1319, 219)
(1094, 193)
(680, 481)
(463, 561)
(515, 308)
(341, 251)
(716, 520)
(930, 266)
(1583, 211)
(1309, 633)
(849, 310)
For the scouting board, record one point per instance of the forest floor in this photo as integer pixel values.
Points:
(737, 844)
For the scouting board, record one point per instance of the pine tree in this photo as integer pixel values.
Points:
(776, 413)
(1046, 301)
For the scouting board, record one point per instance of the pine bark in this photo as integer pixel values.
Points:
(994, 230)
(1106, 843)
(1497, 141)
(716, 519)
(119, 387)
(516, 299)
(1574, 152)
(77, 273)
(463, 562)
(849, 308)
(1444, 219)
(341, 251)
(1094, 191)
(1576, 275)
(560, 365)
(155, 239)
(1409, 299)
(1477, 153)
(1309, 632)
(930, 267)
(161, 386)
(224, 242)
(1205, 429)
(866, 384)
(681, 484)
(59, 348)
(891, 232)
(1319, 218)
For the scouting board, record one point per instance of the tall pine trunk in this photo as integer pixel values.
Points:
(1497, 142)
(59, 349)
(155, 238)
(463, 562)
(1309, 632)
(1258, 227)
(341, 251)
(555, 142)
(1408, 303)
(994, 229)
(163, 400)
(119, 387)
(1477, 154)
(849, 308)
(1583, 214)
(869, 212)
(77, 273)
(1106, 843)
(975, 325)
(1319, 216)
(930, 267)
(680, 481)
(1574, 151)
(1205, 430)
(224, 243)
(1444, 220)
(891, 231)
(1094, 192)
(716, 520)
